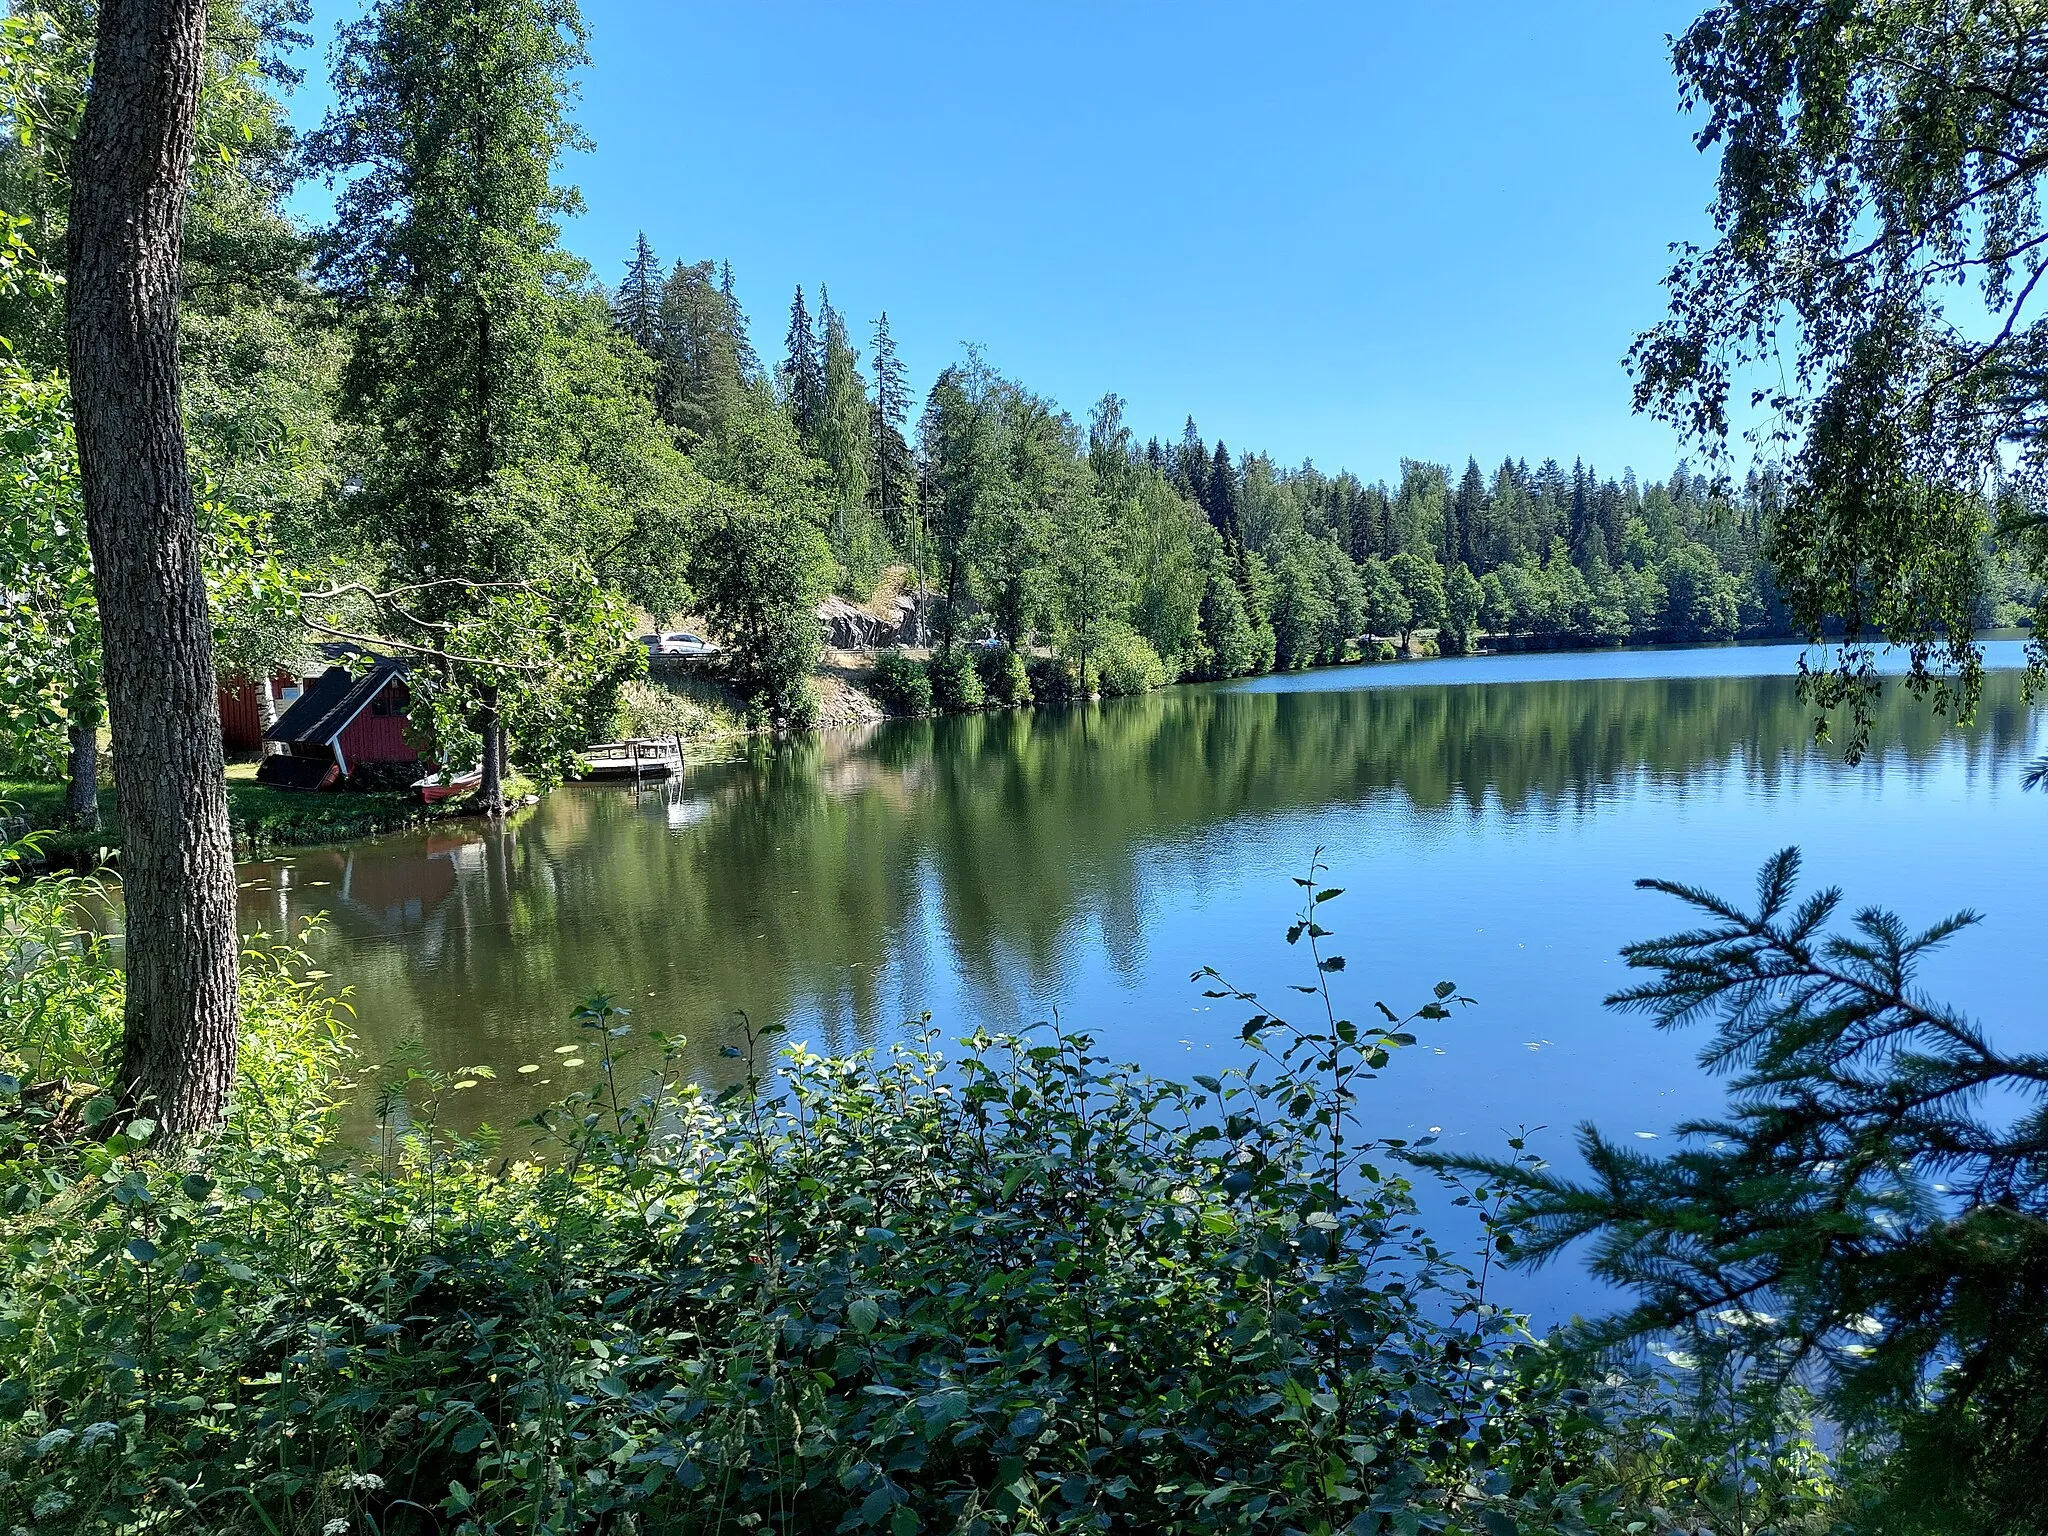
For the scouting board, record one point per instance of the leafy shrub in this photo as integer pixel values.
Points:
(1055, 680)
(956, 682)
(695, 710)
(1004, 677)
(1024, 1289)
(1127, 664)
(1382, 650)
(1427, 646)
(900, 684)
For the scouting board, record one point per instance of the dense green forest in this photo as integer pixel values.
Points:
(426, 427)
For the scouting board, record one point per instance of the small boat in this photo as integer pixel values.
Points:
(433, 791)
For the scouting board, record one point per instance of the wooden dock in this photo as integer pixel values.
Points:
(637, 757)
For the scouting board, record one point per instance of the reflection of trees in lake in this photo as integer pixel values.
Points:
(811, 881)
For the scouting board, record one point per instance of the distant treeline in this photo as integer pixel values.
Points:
(1171, 559)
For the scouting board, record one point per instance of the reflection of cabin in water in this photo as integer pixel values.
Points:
(337, 724)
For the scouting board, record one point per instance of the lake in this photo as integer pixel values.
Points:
(1486, 817)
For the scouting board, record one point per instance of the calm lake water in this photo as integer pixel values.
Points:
(1486, 818)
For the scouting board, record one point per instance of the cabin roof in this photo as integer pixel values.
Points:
(330, 702)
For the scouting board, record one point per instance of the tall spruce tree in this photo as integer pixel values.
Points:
(448, 118)
(637, 306)
(736, 323)
(1470, 508)
(699, 378)
(845, 443)
(803, 372)
(1219, 498)
(895, 485)
(1191, 465)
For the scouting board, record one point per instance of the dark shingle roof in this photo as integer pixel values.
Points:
(330, 701)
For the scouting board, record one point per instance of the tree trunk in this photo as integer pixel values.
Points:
(491, 790)
(129, 170)
(266, 717)
(82, 794)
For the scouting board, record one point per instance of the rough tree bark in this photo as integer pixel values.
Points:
(129, 170)
(82, 794)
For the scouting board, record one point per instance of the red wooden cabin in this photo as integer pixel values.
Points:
(341, 722)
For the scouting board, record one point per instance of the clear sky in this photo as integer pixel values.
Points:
(1353, 232)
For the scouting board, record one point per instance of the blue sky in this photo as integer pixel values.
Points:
(1348, 232)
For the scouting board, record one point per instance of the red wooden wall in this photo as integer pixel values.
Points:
(377, 735)
(241, 729)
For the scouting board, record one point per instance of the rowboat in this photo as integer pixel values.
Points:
(433, 790)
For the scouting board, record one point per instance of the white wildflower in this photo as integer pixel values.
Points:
(335, 1527)
(362, 1482)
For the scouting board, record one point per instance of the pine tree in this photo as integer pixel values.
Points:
(894, 480)
(845, 442)
(1470, 508)
(1191, 466)
(748, 360)
(803, 373)
(1220, 493)
(637, 308)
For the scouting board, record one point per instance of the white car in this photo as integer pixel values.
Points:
(678, 642)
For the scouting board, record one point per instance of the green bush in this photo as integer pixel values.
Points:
(900, 684)
(1018, 1290)
(1382, 650)
(1055, 680)
(1127, 664)
(1004, 678)
(956, 682)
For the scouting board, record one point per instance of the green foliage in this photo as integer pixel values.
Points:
(1055, 680)
(1421, 581)
(1878, 220)
(1463, 600)
(760, 569)
(759, 560)
(1231, 640)
(518, 492)
(1020, 1289)
(1126, 664)
(1005, 680)
(956, 681)
(1867, 1216)
(49, 618)
(697, 711)
(900, 684)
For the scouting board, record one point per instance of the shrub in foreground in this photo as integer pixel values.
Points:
(1023, 1289)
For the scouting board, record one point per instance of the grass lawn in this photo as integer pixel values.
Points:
(262, 817)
